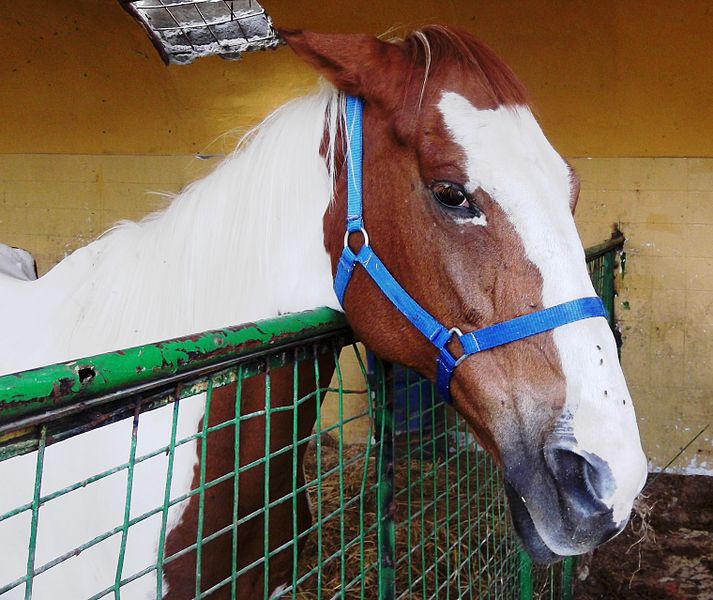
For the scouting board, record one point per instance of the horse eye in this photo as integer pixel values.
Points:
(451, 195)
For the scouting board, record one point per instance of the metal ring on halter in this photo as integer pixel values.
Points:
(459, 333)
(455, 330)
(461, 359)
(347, 233)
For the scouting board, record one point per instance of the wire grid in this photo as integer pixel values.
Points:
(434, 515)
(345, 550)
(552, 583)
(453, 537)
(243, 518)
(602, 263)
(449, 536)
(183, 30)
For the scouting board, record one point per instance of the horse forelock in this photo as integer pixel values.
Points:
(436, 47)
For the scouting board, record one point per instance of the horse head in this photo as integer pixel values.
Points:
(471, 210)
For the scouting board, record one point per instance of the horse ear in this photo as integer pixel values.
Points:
(357, 64)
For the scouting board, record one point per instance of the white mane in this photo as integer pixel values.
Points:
(243, 243)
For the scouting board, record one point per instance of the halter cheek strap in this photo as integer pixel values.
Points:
(436, 333)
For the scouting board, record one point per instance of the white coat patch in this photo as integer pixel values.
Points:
(242, 244)
(480, 221)
(509, 157)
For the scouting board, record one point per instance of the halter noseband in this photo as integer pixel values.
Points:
(471, 343)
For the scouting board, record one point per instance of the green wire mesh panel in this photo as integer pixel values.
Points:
(453, 536)
(449, 535)
(245, 398)
(602, 265)
(178, 465)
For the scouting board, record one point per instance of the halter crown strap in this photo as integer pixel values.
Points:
(436, 333)
(355, 222)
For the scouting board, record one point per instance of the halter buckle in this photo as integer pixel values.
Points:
(457, 332)
(347, 233)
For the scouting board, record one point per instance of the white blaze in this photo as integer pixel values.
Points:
(509, 157)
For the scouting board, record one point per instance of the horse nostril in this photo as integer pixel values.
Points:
(600, 479)
(584, 477)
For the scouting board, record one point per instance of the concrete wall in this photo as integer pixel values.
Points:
(609, 78)
(665, 303)
(91, 121)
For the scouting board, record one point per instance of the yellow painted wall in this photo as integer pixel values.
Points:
(91, 121)
(665, 302)
(51, 204)
(610, 78)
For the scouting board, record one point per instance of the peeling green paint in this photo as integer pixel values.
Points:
(31, 391)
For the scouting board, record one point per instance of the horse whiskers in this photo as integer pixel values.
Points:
(641, 527)
(641, 521)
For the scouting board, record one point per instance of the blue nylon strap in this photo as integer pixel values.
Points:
(517, 329)
(445, 365)
(532, 324)
(344, 272)
(355, 220)
(435, 332)
(400, 298)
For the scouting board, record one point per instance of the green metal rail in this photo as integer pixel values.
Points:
(602, 262)
(415, 514)
(48, 390)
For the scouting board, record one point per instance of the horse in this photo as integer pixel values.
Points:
(471, 209)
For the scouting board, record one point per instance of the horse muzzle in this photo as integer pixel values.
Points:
(559, 501)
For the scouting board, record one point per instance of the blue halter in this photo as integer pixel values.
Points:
(471, 343)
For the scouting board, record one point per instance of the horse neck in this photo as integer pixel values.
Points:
(244, 243)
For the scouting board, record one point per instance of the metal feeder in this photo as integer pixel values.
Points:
(183, 30)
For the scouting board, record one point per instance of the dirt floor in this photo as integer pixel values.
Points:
(672, 558)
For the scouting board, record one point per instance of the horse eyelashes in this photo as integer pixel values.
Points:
(450, 195)
(454, 197)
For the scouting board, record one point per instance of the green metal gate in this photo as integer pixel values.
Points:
(417, 514)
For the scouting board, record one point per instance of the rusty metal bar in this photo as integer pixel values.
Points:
(616, 242)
